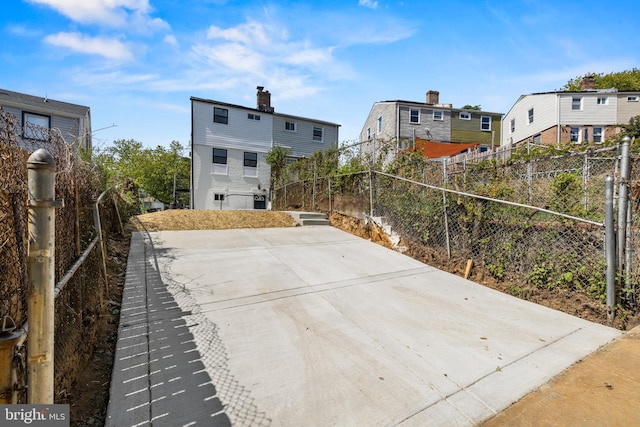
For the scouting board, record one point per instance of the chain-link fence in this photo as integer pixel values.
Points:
(81, 288)
(529, 221)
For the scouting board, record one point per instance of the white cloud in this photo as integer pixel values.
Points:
(108, 48)
(133, 14)
(171, 40)
(371, 4)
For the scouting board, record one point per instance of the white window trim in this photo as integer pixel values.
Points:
(593, 136)
(512, 126)
(411, 116)
(604, 99)
(579, 139)
(530, 116)
(313, 138)
(464, 115)
(219, 169)
(580, 106)
(295, 127)
(379, 124)
(441, 114)
(481, 123)
(632, 98)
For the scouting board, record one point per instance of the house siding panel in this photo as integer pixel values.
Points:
(591, 112)
(301, 141)
(627, 109)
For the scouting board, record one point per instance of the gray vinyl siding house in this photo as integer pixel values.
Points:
(71, 120)
(229, 144)
(392, 126)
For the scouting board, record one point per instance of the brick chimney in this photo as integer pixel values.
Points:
(588, 83)
(433, 97)
(264, 100)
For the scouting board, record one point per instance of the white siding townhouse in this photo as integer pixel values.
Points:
(229, 144)
(581, 117)
(72, 120)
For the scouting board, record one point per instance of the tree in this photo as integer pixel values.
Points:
(277, 159)
(472, 107)
(153, 170)
(622, 80)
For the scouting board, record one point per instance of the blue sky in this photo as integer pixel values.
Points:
(137, 62)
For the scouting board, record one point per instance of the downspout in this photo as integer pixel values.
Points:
(192, 201)
(397, 126)
(558, 121)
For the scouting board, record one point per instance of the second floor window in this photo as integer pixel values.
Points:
(576, 103)
(290, 126)
(465, 115)
(220, 115)
(530, 115)
(513, 125)
(34, 126)
(485, 123)
(318, 134)
(414, 116)
(379, 124)
(438, 115)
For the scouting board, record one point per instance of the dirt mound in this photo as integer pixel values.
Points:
(210, 220)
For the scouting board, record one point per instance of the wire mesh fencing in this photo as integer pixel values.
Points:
(81, 287)
(526, 220)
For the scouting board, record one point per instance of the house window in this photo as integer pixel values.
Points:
(485, 123)
(537, 139)
(602, 100)
(220, 156)
(290, 126)
(318, 134)
(512, 126)
(585, 135)
(576, 103)
(632, 99)
(530, 113)
(252, 116)
(597, 135)
(219, 166)
(414, 116)
(220, 115)
(465, 115)
(30, 124)
(218, 197)
(379, 124)
(250, 159)
(575, 135)
(438, 115)
(368, 133)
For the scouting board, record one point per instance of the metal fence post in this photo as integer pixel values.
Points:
(41, 266)
(623, 201)
(610, 247)
(370, 193)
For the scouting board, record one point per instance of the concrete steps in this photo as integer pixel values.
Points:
(309, 218)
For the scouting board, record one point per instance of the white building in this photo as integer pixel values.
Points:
(229, 144)
(586, 116)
